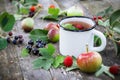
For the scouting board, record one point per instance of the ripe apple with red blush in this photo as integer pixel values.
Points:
(89, 61)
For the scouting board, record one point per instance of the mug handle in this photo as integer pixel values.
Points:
(103, 40)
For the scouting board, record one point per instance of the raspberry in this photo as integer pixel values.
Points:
(80, 27)
(114, 69)
(94, 18)
(52, 6)
(99, 17)
(32, 8)
(68, 61)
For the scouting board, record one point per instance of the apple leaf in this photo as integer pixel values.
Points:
(58, 60)
(117, 48)
(53, 11)
(7, 21)
(24, 52)
(97, 41)
(104, 69)
(48, 51)
(24, 10)
(51, 17)
(104, 24)
(116, 27)
(39, 34)
(3, 43)
(114, 17)
(43, 62)
(69, 27)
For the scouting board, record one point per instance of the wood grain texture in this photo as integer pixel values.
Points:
(15, 67)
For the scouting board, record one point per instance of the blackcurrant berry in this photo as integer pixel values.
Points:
(38, 41)
(16, 37)
(31, 14)
(29, 48)
(38, 45)
(20, 41)
(20, 36)
(8, 40)
(31, 42)
(14, 41)
(10, 33)
(35, 51)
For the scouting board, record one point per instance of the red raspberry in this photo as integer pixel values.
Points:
(32, 8)
(114, 69)
(52, 6)
(80, 27)
(99, 17)
(68, 61)
(94, 18)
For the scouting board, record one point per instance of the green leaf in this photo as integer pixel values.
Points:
(105, 24)
(3, 43)
(24, 10)
(51, 17)
(7, 21)
(47, 51)
(39, 34)
(117, 48)
(53, 11)
(116, 27)
(42, 62)
(104, 69)
(97, 41)
(69, 26)
(114, 17)
(24, 52)
(58, 60)
(18, 17)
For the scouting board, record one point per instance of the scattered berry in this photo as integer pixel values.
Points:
(35, 51)
(32, 8)
(80, 27)
(31, 14)
(114, 69)
(29, 48)
(14, 41)
(68, 61)
(31, 42)
(94, 17)
(52, 6)
(8, 40)
(99, 17)
(10, 33)
(20, 36)
(38, 41)
(16, 37)
(21, 41)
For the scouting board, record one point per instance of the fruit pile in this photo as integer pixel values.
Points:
(53, 31)
(15, 39)
(33, 47)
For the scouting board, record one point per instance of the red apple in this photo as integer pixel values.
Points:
(89, 61)
(51, 25)
(53, 35)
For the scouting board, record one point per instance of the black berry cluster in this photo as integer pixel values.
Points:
(33, 47)
(14, 39)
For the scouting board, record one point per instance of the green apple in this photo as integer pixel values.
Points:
(75, 11)
(89, 61)
(27, 24)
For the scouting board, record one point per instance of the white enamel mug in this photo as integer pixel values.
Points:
(74, 42)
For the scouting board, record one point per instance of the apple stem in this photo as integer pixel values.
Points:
(87, 48)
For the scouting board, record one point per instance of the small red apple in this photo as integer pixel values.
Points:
(50, 26)
(89, 61)
(53, 35)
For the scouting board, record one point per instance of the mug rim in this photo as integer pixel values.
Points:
(92, 27)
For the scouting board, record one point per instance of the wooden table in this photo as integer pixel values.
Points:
(14, 67)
